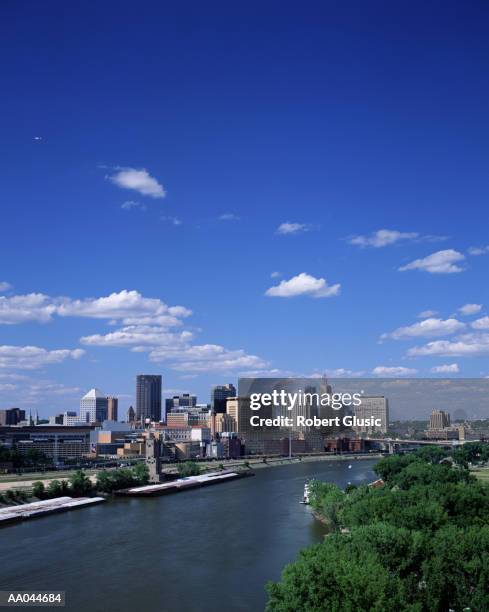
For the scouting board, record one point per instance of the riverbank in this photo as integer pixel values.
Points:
(260, 464)
(26, 484)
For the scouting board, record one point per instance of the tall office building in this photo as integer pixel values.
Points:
(376, 407)
(11, 416)
(179, 402)
(219, 395)
(93, 407)
(439, 419)
(112, 408)
(238, 409)
(148, 397)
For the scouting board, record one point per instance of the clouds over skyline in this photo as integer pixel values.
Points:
(441, 262)
(138, 180)
(147, 325)
(33, 357)
(304, 284)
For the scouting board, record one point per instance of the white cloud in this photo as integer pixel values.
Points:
(32, 357)
(21, 308)
(4, 286)
(426, 314)
(130, 306)
(469, 309)
(482, 323)
(393, 371)
(478, 250)
(7, 387)
(229, 217)
(451, 368)
(275, 275)
(172, 220)
(293, 228)
(304, 284)
(131, 204)
(146, 325)
(139, 336)
(36, 392)
(427, 328)
(465, 345)
(138, 180)
(206, 358)
(382, 238)
(441, 262)
(344, 373)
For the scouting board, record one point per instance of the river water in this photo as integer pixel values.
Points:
(195, 551)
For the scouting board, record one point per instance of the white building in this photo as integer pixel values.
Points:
(71, 418)
(93, 407)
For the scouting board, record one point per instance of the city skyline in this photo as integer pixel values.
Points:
(244, 214)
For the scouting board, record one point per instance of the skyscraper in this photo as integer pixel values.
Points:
(112, 408)
(219, 395)
(148, 397)
(376, 407)
(93, 407)
(439, 419)
(131, 415)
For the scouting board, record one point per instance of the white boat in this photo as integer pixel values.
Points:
(305, 499)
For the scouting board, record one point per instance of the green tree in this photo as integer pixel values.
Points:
(38, 489)
(141, 473)
(80, 483)
(189, 468)
(54, 489)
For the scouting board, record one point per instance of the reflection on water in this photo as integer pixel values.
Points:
(194, 551)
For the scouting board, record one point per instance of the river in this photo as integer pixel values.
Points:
(195, 551)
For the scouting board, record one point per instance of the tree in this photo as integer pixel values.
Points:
(38, 489)
(54, 489)
(419, 543)
(342, 574)
(189, 468)
(141, 473)
(327, 499)
(80, 483)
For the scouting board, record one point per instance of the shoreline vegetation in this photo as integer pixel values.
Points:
(419, 542)
(23, 490)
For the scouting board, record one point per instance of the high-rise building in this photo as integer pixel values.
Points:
(131, 415)
(112, 408)
(238, 408)
(219, 395)
(179, 402)
(376, 407)
(439, 419)
(11, 416)
(93, 407)
(148, 397)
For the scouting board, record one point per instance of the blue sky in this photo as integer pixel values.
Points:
(184, 154)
